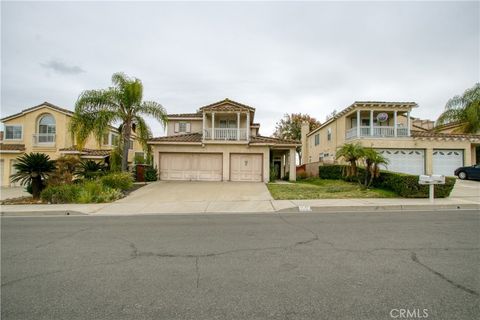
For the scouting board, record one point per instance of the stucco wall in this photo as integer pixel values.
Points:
(195, 126)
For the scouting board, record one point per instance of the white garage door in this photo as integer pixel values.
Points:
(410, 161)
(446, 161)
(246, 167)
(190, 166)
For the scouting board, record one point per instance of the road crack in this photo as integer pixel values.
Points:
(415, 259)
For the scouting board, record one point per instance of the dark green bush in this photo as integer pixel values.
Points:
(286, 177)
(151, 174)
(331, 171)
(302, 176)
(118, 180)
(405, 185)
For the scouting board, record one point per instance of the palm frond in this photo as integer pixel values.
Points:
(143, 133)
(155, 110)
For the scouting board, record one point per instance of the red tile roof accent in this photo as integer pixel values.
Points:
(88, 152)
(433, 134)
(12, 147)
(187, 137)
(197, 137)
(185, 115)
(262, 139)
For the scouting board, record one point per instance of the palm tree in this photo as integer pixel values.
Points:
(373, 160)
(33, 169)
(465, 110)
(351, 153)
(96, 110)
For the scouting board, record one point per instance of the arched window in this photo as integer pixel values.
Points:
(46, 129)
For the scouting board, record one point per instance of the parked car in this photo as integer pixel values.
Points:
(470, 172)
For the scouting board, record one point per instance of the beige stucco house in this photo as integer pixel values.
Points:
(44, 128)
(221, 142)
(411, 145)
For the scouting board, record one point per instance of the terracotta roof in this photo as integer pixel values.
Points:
(12, 147)
(372, 104)
(262, 139)
(187, 137)
(227, 105)
(197, 137)
(185, 115)
(432, 134)
(88, 152)
(48, 104)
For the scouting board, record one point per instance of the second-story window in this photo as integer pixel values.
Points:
(13, 132)
(111, 139)
(46, 129)
(329, 134)
(182, 127)
(317, 139)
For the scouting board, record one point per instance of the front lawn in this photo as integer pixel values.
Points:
(315, 188)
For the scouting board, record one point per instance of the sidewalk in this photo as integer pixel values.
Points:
(250, 206)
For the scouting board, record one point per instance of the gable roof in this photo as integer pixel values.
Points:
(371, 104)
(227, 105)
(42, 105)
(187, 137)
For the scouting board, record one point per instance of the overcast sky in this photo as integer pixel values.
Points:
(280, 58)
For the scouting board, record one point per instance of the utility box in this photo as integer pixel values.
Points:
(431, 181)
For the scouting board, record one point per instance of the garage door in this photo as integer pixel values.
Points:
(410, 161)
(191, 166)
(446, 161)
(246, 167)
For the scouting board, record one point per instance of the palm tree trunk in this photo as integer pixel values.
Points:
(36, 187)
(127, 131)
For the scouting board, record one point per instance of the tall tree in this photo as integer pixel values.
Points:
(351, 153)
(96, 110)
(464, 109)
(290, 127)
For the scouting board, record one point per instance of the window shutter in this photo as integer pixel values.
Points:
(177, 127)
(187, 127)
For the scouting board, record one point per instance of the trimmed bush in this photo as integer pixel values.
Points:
(151, 174)
(118, 180)
(95, 192)
(405, 185)
(331, 172)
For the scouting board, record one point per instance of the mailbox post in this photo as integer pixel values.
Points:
(431, 181)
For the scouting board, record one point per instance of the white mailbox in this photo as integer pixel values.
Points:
(431, 181)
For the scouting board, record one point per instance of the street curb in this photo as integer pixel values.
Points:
(42, 213)
(382, 208)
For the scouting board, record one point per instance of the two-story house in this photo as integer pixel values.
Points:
(221, 142)
(411, 145)
(44, 128)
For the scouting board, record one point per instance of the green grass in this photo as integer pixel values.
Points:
(315, 188)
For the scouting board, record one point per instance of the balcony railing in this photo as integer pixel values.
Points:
(44, 139)
(378, 132)
(225, 134)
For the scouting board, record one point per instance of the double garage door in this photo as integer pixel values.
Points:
(209, 167)
(412, 161)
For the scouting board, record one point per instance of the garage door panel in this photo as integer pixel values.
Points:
(411, 161)
(446, 161)
(246, 167)
(190, 167)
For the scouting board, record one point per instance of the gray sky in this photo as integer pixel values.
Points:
(280, 58)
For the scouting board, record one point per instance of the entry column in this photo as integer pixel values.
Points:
(293, 168)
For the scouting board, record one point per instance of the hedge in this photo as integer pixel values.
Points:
(405, 185)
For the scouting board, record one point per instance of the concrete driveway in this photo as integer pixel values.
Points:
(194, 197)
(466, 189)
(12, 192)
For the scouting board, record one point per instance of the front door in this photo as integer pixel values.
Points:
(277, 165)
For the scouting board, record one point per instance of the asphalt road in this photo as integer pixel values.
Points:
(268, 266)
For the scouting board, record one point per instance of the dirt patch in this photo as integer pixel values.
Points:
(22, 200)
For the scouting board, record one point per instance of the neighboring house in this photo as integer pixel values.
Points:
(44, 128)
(411, 145)
(221, 142)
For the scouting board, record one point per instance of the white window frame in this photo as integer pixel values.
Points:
(329, 134)
(182, 127)
(13, 125)
(110, 139)
(317, 139)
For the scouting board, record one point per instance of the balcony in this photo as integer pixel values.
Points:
(44, 139)
(225, 134)
(378, 132)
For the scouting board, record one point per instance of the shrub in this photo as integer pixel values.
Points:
(95, 192)
(286, 177)
(118, 180)
(331, 172)
(66, 193)
(116, 160)
(302, 176)
(151, 174)
(90, 169)
(273, 173)
(405, 185)
(66, 168)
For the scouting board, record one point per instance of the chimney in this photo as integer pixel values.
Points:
(305, 130)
